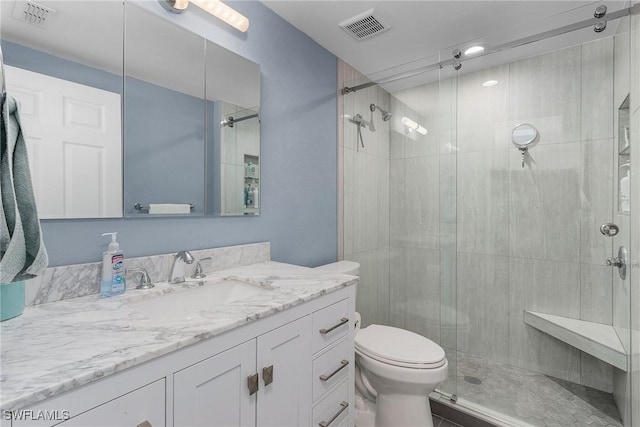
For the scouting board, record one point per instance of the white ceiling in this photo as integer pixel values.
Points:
(425, 32)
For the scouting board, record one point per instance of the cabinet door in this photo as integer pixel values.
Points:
(214, 392)
(145, 406)
(286, 401)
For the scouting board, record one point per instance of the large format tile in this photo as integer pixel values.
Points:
(482, 202)
(348, 198)
(421, 206)
(483, 305)
(544, 203)
(415, 291)
(365, 227)
(548, 287)
(596, 303)
(367, 292)
(450, 322)
(483, 112)
(595, 373)
(545, 92)
(597, 89)
(596, 199)
(448, 208)
(397, 200)
(382, 187)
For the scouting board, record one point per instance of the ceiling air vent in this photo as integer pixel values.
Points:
(33, 13)
(365, 25)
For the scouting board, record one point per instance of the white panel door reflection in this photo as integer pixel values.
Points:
(74, 140)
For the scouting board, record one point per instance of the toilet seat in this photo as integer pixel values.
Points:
(399, 347)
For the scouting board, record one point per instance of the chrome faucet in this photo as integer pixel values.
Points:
(176, 275)
(198, 273)
(145, 281)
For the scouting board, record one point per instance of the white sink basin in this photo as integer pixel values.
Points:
(186, 305)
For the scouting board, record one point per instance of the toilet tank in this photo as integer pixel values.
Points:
(342, 267)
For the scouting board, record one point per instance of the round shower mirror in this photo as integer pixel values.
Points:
(523, 135)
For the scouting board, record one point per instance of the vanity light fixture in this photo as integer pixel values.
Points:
(473, 50)
(490, 83)
(413, 125)
(214, 7)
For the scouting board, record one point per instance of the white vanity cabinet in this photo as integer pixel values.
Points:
(301, 361)
(264, 382)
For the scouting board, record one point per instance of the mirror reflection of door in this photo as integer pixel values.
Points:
(72, 132)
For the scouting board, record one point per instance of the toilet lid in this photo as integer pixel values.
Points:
(399, 347)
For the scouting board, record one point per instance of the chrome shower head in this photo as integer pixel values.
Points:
(386, 116)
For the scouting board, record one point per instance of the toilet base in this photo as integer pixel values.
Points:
(393, 411)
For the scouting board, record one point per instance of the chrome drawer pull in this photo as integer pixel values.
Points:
(343, 364)
(324, 331)
(344, 406)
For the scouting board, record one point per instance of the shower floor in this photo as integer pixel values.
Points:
(531, 397)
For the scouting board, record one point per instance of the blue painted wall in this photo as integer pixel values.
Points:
(298, 129)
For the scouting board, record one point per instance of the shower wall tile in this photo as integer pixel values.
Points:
(382, 187)
(595, 373)
(596, 199)
(414, 144)
(621, 71)
(365, 227)
(367, 302)
(483, 305)
(597, 89)
(596, 293)
(422, 205)
(483, 112)
(415, 294)
(448, 299)
(448, 209)
(545, 92)
(383, 128)
(348, 194)
(549, 287)
(397, 202)
(544, 203)
(483, 202)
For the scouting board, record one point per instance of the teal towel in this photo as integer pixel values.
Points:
(22, 251)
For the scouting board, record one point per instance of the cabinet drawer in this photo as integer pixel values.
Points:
(331, 368)
(330, 324)
(333, 411)
(132, 409)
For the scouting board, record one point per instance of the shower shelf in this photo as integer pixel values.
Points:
(598, 340)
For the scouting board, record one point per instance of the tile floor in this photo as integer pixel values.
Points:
(532, 397)
(441, 422)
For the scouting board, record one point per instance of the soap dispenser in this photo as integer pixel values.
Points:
(113, 271)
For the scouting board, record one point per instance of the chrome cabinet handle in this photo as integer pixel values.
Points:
(343, 364)
(344, 406)
(267, 375)
(145, 423)
(252, 383)
(324, 331)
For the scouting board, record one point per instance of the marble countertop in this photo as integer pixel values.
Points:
(55, 347)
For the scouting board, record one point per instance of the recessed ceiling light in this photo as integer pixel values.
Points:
(473, 50)
(490, 83)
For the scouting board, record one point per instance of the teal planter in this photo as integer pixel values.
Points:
(11, 300)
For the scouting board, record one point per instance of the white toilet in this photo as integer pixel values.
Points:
(395, 371)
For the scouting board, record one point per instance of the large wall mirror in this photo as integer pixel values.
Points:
(169, 124)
